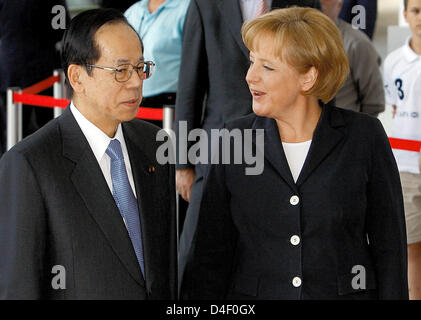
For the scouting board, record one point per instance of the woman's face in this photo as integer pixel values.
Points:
(274, 85)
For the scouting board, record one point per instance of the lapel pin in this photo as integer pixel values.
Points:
(151, 169)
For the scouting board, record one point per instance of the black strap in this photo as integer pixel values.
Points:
(158, 101)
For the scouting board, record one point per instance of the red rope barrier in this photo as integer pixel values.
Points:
(50, 102)
(41, 86)
(150, 113)
(402, 144)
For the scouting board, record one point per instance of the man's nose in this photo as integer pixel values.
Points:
(135, 80)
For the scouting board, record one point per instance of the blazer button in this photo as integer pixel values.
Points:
(296, 282)
(294, 200)
(295, 240)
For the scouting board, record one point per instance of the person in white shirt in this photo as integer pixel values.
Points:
(402, 77)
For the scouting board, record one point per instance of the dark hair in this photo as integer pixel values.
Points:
(405, 4)
(78, 44)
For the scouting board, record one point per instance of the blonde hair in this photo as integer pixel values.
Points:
(303, 38)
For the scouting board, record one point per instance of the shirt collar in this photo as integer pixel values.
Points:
(97, 139)
(166, 4)
(410, 54)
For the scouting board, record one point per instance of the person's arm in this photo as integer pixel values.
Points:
(364, 62)
(385, 219)
(394, 110)
(193, 76)
(389, 86)
(23, 230)
(192, 88)
(208, 275)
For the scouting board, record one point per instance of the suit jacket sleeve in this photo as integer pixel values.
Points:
(213, 257)
(367, 76)
(386, 220)
(193, 77)
(22, 230)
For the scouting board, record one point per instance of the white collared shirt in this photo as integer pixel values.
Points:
(402, 77)
(99, 141)
(249, 8)
(296, 154)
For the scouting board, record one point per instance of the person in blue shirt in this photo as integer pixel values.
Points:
(160, 26)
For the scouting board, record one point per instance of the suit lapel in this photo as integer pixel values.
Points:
(325, 138)
(273, 151)
(142, 163)
(231, 14)
(90, 183)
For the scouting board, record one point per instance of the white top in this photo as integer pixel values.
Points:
(402, 77)
(249, 8)
(99, 141)
(296, 154)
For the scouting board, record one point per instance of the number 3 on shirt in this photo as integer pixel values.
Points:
(398, 84)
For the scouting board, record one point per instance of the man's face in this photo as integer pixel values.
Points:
(413, 16)
(109, 102)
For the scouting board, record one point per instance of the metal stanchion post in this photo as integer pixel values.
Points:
(167, 123)
(168, 118)
(19, 119)
(14, 119)
(58, 91)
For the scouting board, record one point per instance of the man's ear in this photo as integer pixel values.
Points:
(405, 15)
(74, 73)
(308, 79)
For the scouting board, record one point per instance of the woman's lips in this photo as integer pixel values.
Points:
(257, 94)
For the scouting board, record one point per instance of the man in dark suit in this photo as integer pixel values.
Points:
(212, 87)
(86, 211)
(28, 54)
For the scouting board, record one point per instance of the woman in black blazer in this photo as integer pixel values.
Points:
(324, 219)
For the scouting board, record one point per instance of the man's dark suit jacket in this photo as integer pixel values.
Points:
(212, 88)
(27, 50)
(57, 209)
(350, 213)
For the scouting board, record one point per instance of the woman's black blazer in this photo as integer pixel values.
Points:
(346, 209)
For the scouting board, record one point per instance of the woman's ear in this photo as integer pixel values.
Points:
(74, 73)
(308, 79)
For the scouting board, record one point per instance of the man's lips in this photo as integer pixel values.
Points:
(132, 102)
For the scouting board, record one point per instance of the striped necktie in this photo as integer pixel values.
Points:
(262, 8)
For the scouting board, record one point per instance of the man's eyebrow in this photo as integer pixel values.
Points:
(118, 61)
